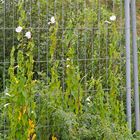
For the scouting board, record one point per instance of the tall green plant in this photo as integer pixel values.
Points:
(21, 104)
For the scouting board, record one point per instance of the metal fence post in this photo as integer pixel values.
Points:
(128, 64)
(135, 63)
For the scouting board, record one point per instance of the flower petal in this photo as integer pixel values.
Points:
(28, 34)
(113, 18)
(52, 20)
(19, 29)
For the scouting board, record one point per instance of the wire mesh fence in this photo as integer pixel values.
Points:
(78, 52)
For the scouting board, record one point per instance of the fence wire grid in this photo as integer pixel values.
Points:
(98, 43)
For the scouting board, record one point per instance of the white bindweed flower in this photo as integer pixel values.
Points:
(18, 29)
(28, 34)
(113, 18)
(52, 20)
(68, 59)
(6, 104)
(49, 23)
(7, 94)
(107, 22)
(88, 99)
(68, 66)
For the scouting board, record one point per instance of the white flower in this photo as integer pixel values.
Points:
(7, 94)
(18, 29)
(113, 18)
(68, 59)
(68, 66)
(28, 34)
(88, 99)
(6, 104)
(49, 23)
(107, 22)
(52, 21)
